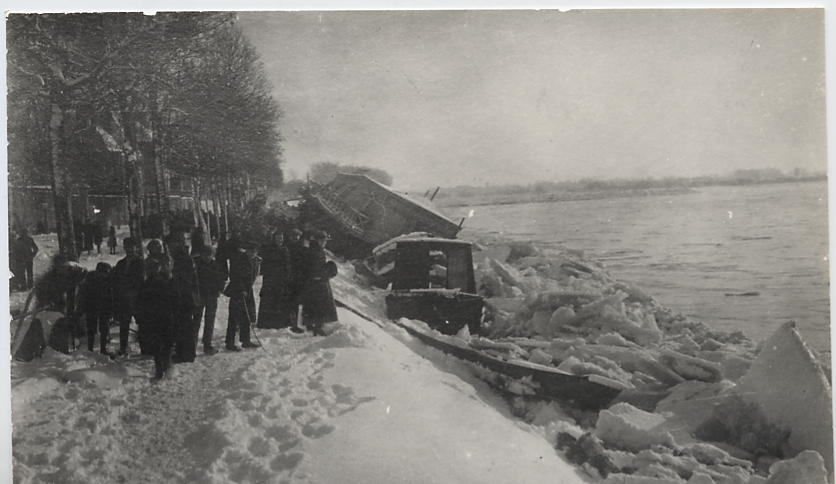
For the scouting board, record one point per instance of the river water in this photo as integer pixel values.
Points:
(697, 253)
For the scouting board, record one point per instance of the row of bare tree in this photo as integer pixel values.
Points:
(113, 101)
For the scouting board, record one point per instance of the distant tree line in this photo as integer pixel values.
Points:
(112, 101)
(739, 177)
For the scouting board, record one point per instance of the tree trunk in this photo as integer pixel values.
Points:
(159, 179)
(136, 195)
(198, 212)
(216, 208)
(61, 191)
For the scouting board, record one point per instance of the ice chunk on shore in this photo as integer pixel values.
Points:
(693, 402)
(628, 427)
(786, 383)
(807, 467)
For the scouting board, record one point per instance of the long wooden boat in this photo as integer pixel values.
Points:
(542, 381)
(361, 213)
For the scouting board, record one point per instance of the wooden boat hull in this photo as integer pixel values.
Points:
(443, 311)
(549, 383)
(361, 213)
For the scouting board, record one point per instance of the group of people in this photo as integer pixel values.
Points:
(295, 285)
(170, 292)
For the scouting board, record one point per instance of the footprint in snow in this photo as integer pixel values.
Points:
(286, 462)
(254, 420)
(315, 431)
(280, 433)
(259, 447)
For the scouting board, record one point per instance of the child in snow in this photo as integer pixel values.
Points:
(155, 313)
(97, 305)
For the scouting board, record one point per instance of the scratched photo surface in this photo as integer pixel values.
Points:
(416, 246)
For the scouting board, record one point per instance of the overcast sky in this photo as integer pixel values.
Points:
(475, 97)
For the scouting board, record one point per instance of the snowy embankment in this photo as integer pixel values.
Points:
(369, 403)
(355, 406)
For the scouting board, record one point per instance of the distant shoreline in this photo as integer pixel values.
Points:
(578, 194)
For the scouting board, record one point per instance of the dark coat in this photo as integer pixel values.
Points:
(58, 286)
(210, 279)
(276, 306)
(96, 295)
(226, 248)
(275, 271)
(156, 311)
(184, 278)
(241, 275)
(126, 277)
(297, 256)
(317, 299)
(24, 249)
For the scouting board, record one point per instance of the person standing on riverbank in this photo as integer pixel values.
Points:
(127, 279)
(242, 273)
(96, 304)
(157, 306)
(275, 308)
(111, 240)
(25, 250)
(210, 282)
(184, 278)
(296, 252)
(317, 299)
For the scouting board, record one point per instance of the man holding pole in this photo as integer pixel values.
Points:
(243, 268)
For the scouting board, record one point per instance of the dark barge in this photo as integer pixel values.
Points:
(360, 214)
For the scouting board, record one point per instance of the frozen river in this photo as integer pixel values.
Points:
(699, 252)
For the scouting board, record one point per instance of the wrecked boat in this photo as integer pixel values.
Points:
(360, 213)
(519, 376)
(429, 279)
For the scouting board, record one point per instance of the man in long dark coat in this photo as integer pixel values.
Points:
(316, 299)
(25, 250)
(157, 305)
(127, 277)
(242, 273)
(184, 278)
(96, 303)
(297, 254)
(274, 310)
(210, 281)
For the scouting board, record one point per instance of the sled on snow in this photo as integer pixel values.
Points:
(519, 376)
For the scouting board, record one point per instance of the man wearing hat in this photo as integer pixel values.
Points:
(242, 274)
(127, 279)
(317, 299)
(184, 277)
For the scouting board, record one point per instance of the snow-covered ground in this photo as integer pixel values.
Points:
(356, 406)
(369, 403)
